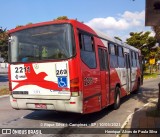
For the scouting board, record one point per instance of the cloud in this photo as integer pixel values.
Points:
(133, 15)
(122, 22)
(128, 21)
(108, 23)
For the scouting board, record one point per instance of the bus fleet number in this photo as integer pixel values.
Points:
(22, 69)
(61, 72)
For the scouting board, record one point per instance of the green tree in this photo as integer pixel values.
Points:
(30, 23)
(156, 29)
(3, 43)
(118, 38)
(144, 42)
(61, 18)
(18, 26)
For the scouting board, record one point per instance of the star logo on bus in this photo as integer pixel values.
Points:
(36, 66)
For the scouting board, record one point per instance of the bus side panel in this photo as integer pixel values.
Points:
(91, 90)
(114, 79)
(104, 73)
(9, 77)
(139, 75)
(123, 92)
(74, 69)
(123, 81)
(92, 104)
(89, 79)
(133, 78)
(137, 78)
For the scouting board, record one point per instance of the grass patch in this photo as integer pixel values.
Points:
(4, 91)
(148, 75)
(153, 113)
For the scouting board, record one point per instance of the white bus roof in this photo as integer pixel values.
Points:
(104, 36)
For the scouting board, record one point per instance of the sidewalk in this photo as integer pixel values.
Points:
(140, 119)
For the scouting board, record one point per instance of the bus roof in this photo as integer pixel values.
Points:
(41, 24)
(104, 36)
(72, 21)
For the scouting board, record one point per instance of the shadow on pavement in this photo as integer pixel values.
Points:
(142, 121)
(147, 95)
(139, 119)
(66, 117)
(144, 96)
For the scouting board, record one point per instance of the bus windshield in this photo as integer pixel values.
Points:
(42, 43)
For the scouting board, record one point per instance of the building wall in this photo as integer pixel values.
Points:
(3, 67)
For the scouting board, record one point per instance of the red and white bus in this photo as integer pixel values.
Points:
(65, 65)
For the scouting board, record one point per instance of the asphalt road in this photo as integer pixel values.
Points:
(107, 118)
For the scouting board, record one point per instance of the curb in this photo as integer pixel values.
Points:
(130, 116)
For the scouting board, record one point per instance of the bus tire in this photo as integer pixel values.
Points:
(117, 98)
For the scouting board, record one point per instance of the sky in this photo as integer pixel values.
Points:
(113, 17)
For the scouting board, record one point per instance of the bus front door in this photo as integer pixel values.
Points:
(104, 75)
(128, 73)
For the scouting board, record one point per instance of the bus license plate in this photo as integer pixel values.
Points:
(41, 106)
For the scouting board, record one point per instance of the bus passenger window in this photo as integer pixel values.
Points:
(134, 64)
(87, 50)
(103, 59)
(113, 56)
(121, 62)
(138, 60)
(88, 42)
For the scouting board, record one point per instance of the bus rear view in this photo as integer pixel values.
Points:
(68, 66)
(39, 70)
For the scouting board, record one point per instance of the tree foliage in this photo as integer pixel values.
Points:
(157, 32)
(118, 38)
(3, 43)
(18, 26)
(144, 42)
(61, 18)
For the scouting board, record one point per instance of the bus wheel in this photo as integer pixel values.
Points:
(117, 98)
